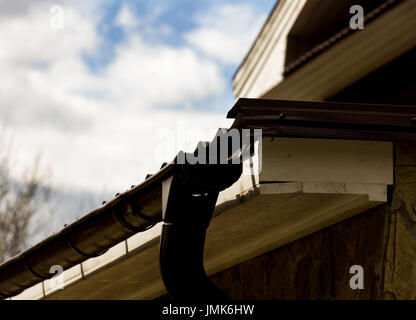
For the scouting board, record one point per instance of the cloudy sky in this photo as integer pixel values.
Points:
(114, 88)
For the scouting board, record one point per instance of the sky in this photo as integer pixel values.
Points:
(105, 91)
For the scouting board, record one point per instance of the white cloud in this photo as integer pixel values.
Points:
(226, 32)
(119, 150)
(44, 68)
(29, 38)
(97, 130)
(126, 19)
(105, 131)
(144, 75)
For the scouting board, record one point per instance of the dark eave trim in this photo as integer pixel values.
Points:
(310, 119)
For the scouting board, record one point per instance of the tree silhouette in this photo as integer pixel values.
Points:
(19, 202)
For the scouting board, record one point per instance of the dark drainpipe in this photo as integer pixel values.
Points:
(188, 202)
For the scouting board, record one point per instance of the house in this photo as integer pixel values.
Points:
(328, 187)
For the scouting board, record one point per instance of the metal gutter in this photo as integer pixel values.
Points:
(89, 236)
(135, 210)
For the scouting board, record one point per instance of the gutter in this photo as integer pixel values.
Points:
(135, 210)
(88, 237)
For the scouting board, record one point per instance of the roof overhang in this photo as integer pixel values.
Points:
(295, 183)
(300, 189)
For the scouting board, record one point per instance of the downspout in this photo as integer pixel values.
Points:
(188, 202)
(185, 220)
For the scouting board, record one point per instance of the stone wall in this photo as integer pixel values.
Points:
(317, 266)
(400, 258)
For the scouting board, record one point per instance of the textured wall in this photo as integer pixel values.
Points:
(317, 266)
(400, 262)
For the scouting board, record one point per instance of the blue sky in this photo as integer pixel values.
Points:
(121, 88)
(179, 17)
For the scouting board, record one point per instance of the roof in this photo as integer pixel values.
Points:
(338, 36)
(254, 42)
(287, 62)
(324, 45)
(140, 207)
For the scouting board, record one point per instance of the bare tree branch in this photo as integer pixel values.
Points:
(19, 201)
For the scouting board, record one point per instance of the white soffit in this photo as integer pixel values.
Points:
(329, 162)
